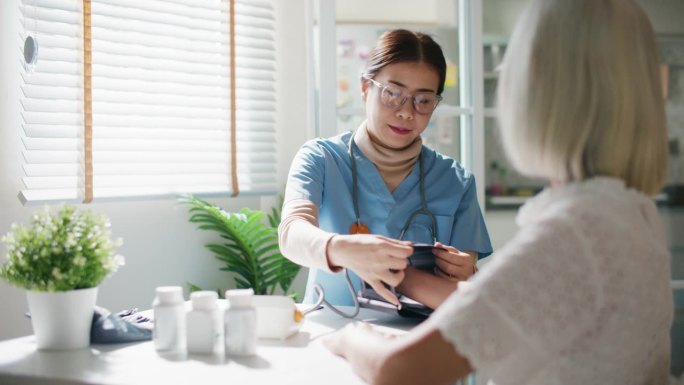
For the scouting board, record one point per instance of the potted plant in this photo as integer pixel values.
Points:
(248, 247)
(60, 259)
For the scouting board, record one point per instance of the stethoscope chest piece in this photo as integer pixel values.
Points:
(359, 228)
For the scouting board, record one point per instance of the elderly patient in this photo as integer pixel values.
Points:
(582, 294)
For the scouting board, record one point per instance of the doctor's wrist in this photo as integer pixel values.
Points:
(333, 263)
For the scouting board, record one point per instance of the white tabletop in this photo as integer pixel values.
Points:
(300, 360)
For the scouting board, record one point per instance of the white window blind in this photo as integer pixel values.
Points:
(161, 98)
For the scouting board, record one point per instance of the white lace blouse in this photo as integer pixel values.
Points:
(581, 295)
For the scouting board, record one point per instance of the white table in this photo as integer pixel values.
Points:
(299, 360)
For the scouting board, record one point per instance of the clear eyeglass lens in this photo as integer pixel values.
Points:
(394, 97)
(424, 103)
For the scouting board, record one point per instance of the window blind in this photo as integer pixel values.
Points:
(161, 98)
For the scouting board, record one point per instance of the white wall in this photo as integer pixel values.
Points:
(427, 12)
(160, 246)
(293, 102)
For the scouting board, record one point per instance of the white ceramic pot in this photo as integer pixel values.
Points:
(62, 320)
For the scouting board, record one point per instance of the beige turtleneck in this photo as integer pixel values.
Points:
(393, 164)
(300, 238)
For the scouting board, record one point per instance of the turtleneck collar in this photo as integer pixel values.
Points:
(393, 164)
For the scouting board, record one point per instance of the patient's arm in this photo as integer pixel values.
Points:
(426, 288)
(452, 266)
(421, 357)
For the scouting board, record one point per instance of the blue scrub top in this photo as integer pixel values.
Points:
(321, 173)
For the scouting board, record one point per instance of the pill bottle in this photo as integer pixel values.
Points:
(169, 319)
(204, 324)
(240, 323)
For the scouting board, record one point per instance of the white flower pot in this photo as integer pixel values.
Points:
(62, 320)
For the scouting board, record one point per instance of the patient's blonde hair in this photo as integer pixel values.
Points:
(580, 94)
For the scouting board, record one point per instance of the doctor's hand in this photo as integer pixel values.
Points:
(454, 264)
(374, 258)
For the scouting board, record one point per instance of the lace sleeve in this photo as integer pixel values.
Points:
(537, 295)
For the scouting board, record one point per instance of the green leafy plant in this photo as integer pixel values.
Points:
(274, 215)
(249, 248)
(61, 251)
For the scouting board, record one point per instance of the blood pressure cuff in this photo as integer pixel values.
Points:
(126, 326)
(423, 259)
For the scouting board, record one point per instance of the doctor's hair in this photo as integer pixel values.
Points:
(580, 94)
(401, 46)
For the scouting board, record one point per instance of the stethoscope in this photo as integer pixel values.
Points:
(358, 227)
(422, 210)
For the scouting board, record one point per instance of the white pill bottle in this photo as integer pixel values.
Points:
(169, 319)
(204, 324)
(240, 323)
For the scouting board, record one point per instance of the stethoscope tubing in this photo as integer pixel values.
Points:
(423, 196)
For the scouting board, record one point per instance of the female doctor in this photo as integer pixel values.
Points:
(358, 200)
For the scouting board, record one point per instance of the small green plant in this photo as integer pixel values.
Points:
(249, 247)
(61, 251)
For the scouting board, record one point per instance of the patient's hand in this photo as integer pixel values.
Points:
(453, 264)
(363, 346)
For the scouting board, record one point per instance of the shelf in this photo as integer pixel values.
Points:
(507, 200)
(490, 112)
(451, 110)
